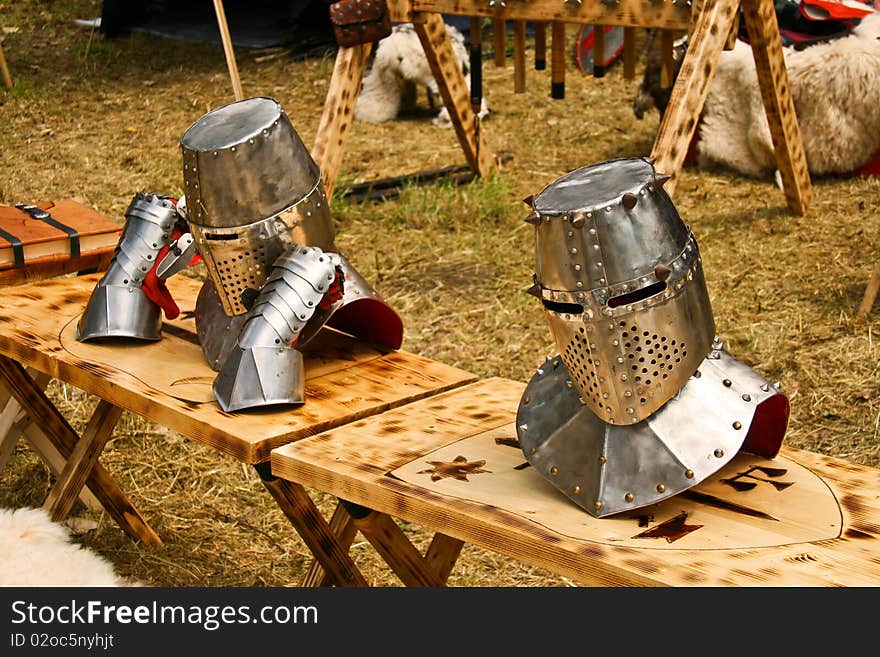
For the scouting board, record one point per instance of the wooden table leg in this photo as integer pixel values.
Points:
(15, 424)
(81, 461)
(302, 513)
(55, 426)
(343, 527)
(11, 415)
(442, 555)
(394, 547)
(763, 29)
(453, 89)
(338, 114)
(679, 121)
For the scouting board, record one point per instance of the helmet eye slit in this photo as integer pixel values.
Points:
(637, 295)
(563, 308)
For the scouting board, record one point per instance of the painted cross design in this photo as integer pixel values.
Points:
(672, 529)
(459, 468)
(737, 483)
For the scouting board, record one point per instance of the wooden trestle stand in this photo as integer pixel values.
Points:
(708, 22)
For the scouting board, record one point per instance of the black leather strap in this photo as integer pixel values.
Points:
(44, 216)
(17, 247)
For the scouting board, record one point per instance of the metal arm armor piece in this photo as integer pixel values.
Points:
(118, 306)
(252, 191)
(265, 367)
(724, 407)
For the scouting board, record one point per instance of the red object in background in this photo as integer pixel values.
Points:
(871, 168)
(584, 47)
(823, 10)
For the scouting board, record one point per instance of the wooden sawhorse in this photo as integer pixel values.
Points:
(169, 382)
(457, 470)
(708, 22)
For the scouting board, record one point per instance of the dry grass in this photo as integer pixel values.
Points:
(100, 120)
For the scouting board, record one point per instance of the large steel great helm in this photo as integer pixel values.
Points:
(641, 401)
(252, 191)
(621, 280)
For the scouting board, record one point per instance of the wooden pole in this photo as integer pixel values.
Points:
(476, 59)
(227, 49)
(4, 71)
(629, 53)
(871, 291)
(519, 57)
(667, 45)
(557, 60)
(499, 35)
(598, 51)
(540, 45)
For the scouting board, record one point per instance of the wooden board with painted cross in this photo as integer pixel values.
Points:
(452, 464)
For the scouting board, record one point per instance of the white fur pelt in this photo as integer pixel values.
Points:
(836, 91)
(34, 551)
(399, 71)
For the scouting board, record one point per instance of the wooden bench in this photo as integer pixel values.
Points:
(169, 382)
(451, 464)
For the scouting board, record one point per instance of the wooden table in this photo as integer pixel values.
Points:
(169, 382)
(455, 468)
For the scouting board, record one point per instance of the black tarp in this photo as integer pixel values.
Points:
(298, 24)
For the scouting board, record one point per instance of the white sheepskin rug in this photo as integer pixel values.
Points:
(399, 71)
(836, 91)
(34, 551)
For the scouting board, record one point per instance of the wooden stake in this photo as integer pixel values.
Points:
(499, 34)
(540, 45)
(667, 43)
(476, 59)
(227, 49)
(557, 60)
(519, 57)
(870, 292)
(629, 53)
(4, 70)
(598, 51)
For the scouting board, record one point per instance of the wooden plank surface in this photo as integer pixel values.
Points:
(639, 13)
(810, 520)
(345, 379)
